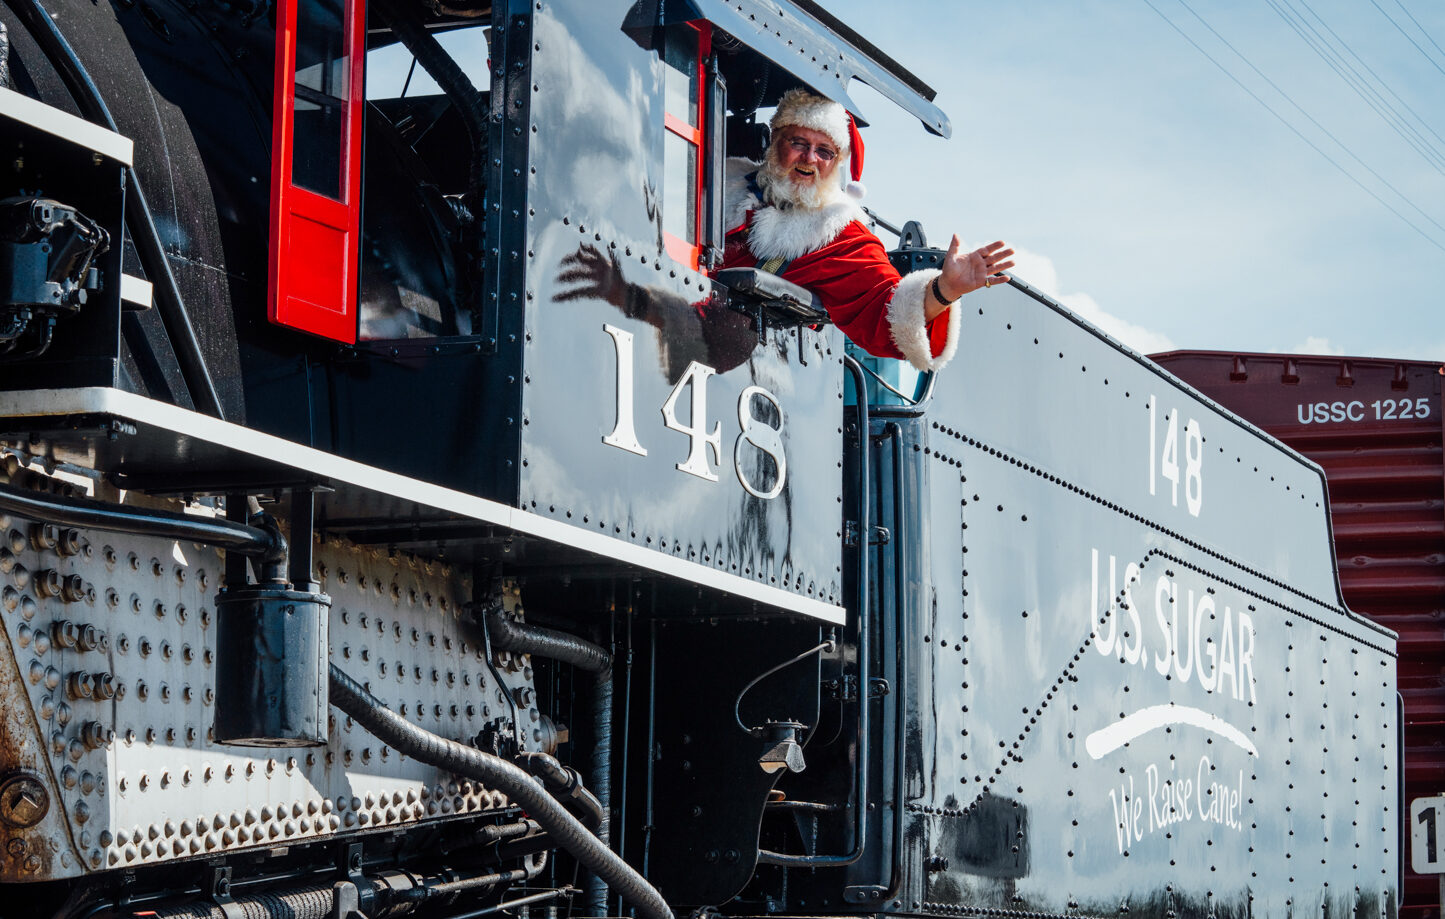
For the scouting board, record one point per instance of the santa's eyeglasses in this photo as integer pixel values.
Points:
(802, 148)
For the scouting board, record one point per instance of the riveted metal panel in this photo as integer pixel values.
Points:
(1139, 704)
(627, 348)
(134, 773)
(1374, 426)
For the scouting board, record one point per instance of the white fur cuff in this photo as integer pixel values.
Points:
(910, 333)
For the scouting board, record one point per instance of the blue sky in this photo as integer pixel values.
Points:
(1151, 193)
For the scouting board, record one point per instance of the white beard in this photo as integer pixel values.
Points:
(789, 230)
(783, 191)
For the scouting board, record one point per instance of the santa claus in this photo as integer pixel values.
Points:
(793, 215)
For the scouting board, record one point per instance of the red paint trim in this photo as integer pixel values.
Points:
(690, 254)
(682, 129)
(704, 49)
(314, 239)
(681, 251)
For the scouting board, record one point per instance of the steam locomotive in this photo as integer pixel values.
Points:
(403, 517)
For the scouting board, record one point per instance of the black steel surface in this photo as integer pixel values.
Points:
(709, 791)
(1063, 762)
(595, 258)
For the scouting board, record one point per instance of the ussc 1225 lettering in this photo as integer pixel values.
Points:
(1359, 411)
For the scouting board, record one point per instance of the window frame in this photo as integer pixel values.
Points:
(315, 239)
(678, 249)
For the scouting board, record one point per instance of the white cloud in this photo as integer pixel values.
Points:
(1039, 272)
(1316, 344)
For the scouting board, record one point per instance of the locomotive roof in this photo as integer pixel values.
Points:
(816, 49)
(807, 43)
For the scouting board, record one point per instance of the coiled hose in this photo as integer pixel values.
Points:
(300, 903)
(508, 635)
(387, 726)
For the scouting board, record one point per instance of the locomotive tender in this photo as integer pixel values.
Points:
(402, 518)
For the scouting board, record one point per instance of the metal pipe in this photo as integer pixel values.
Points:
(861, 758)
(647, 823)
(268, 544)
(490, 660)
(499, 832)
(595, 902)
(534, 866)
(520, 901)
(142, 227)
(901, 648)
(565, 785)
(811, 806)
(390, 728)
(626, 759)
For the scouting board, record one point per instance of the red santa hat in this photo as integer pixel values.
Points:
(802, 109)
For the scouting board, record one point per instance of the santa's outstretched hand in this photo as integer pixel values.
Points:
(965, 272)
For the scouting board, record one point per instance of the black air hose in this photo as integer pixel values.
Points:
(508, 635)
(300, 903)
(390, 728)
(596, 899)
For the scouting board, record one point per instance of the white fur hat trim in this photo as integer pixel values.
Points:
(802, 109)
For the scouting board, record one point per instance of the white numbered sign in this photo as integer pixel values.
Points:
(1427, 834)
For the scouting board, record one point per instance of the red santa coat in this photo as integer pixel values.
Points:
(831, 253)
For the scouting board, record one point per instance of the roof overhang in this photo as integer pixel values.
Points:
(819, 50)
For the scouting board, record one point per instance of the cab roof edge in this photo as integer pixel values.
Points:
(865, 47)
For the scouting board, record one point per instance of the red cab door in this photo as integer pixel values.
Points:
(316, 166)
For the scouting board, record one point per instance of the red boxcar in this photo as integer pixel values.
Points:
(1375, 426)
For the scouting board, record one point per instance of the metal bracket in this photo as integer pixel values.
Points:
(844, 689)
(218, 884)
(345, 901)
(911, 236)
(348, 894)
(127, 888)
(878, 688)
(351, 861)
(303, 524)
(877, 536)
(864, 893)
